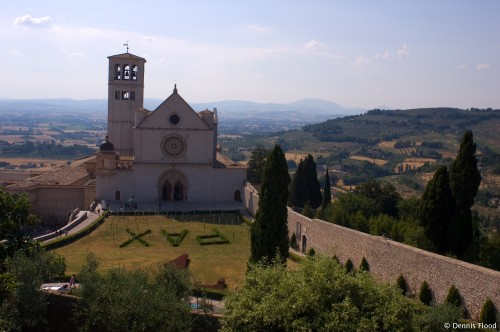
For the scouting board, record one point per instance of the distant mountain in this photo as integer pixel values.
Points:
(305, 110)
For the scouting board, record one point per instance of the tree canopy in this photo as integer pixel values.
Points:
(256, 164)
(321, 296)
(269, 233)
(305, 187)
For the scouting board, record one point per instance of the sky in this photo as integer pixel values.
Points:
(363, 53)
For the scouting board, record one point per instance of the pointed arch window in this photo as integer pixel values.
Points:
(126, 72)
(134, 73)
(118, 72)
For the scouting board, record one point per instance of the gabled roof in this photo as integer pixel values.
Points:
(126, 56)
(174, 104)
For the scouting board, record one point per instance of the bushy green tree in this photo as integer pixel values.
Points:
(318, 296)
(134, 300)
(437, 207)
(384, 196)
(327, 193)
(269, 233)
(25, 305)
(14, 216)
(256, 164)
(464, 183)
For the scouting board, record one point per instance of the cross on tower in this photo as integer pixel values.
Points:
(126, 44)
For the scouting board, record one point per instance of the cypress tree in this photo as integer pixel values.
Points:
(425, 295)
(327, 194)
(488, 313)
(436, 209)
(464, 183)
(453, 297)
(269, 233)
(313, 187)
(256, 164)
(298, 187)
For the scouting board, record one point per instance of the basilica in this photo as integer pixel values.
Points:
(166, 155)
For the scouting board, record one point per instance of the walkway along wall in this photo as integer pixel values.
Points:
(388, 259)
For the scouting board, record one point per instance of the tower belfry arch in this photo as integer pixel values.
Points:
(125, 95)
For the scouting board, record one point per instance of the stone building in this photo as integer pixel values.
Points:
(166, 155)
(159, 157)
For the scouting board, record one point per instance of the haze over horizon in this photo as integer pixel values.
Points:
(403, 54)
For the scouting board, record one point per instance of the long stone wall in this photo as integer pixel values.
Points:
(389, 259)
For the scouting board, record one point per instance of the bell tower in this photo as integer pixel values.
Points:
(125, 95)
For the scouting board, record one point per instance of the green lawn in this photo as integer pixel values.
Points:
(208, 262)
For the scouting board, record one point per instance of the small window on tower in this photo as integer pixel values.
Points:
(125, 95)
(118, 72)
(132, 95)
(117, 95)
(134, 73)
(126, 72)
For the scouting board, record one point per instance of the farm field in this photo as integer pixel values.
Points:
(208, 263)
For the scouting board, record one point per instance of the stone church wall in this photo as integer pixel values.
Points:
(388, 259)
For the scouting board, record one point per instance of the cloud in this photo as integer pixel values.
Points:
(362, 60)
(314, 45)
(27, 20)
(16, 53)
(483, 66)
(461, 67)
(149, 38)
(403, 52)
(257, 28)
(385, 55)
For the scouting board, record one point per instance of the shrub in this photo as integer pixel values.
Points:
(137, 237)
(425, 295)
(402, 285)
(349, 266)
(216, 238)
(175, 239)
(453, 297)
(488, 313)
(364, 266)
(293, 242)
(311, 252)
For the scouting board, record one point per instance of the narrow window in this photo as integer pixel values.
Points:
(125, 95)
(118, 72)
(134, 73)
(117, 195)
(132, 95)
(117, 95)
(126, 72)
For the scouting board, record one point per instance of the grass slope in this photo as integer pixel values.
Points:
(208, 263)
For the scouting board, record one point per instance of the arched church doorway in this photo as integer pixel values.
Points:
(178, 191)
(237, 196)
(117, 195)
(166, 194)
(304, 243)
(172, 186)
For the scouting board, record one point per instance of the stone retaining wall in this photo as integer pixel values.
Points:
(389, 259)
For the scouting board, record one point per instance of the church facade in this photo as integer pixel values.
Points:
(165, 155)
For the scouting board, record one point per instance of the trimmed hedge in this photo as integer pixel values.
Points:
(425, 294)
(61, 242)
(137, 237)
(175, 239)
(216, 238)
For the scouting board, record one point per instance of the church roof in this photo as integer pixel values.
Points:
(63, 176)
(126, 56)
(224, 162)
